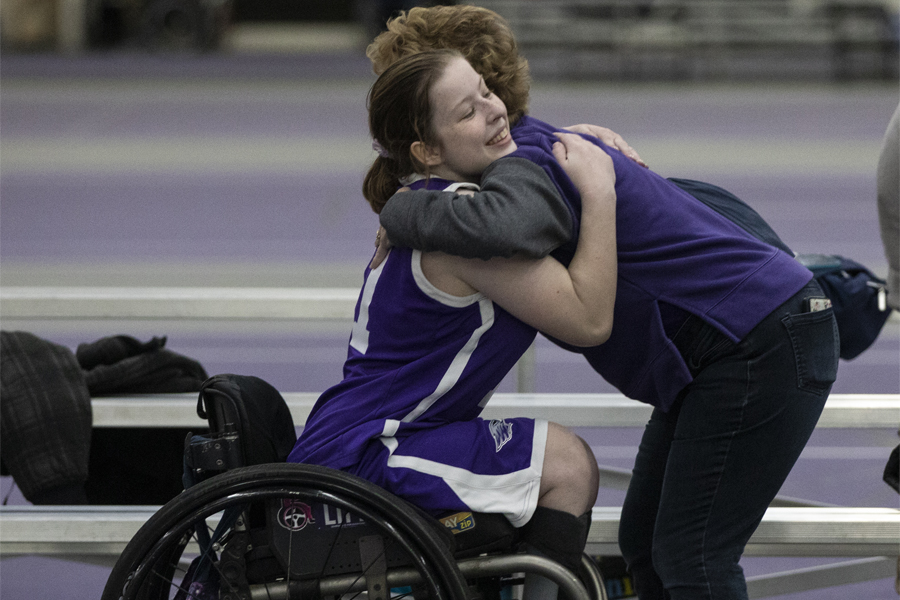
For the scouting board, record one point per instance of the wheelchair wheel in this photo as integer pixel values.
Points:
(590, 575)
(257, 533)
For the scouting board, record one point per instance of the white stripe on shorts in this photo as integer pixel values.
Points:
(515, 495)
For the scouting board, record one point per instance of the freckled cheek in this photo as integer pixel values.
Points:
(468, 142)
(458, 140)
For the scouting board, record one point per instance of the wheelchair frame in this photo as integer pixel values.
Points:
(282, 530)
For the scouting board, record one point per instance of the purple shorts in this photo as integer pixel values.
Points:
(480, 466)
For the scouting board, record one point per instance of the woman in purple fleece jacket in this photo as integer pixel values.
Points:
(725, 334)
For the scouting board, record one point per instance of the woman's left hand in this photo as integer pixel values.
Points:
(588, 166)
(382, 245)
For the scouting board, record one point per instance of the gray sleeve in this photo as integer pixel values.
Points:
(518, 211)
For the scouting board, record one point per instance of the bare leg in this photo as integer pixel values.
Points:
(570, 477)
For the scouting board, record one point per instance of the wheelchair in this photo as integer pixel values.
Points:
(279, 530)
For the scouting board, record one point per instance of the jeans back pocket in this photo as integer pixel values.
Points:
(816, 345)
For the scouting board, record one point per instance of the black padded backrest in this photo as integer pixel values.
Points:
(254, 411)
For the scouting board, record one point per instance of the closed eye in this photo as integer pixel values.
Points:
(487, 92)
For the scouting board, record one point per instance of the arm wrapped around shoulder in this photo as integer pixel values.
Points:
(519, 211)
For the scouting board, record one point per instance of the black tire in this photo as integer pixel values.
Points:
(148, 567)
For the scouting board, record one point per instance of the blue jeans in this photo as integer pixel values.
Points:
(707, 470)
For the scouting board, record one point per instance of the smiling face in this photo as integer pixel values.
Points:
(469, 122)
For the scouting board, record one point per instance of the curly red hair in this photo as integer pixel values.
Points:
(481, 35)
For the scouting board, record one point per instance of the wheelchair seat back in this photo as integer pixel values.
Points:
(249, 424)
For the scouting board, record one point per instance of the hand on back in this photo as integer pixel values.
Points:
(586, 164)
(610, 138)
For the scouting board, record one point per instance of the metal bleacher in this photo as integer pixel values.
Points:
(705, 39)
(98, 534)
(871, 535)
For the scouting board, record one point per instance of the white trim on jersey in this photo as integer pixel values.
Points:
(459, 362)
(462, 185)
(411, 179)
(359, 336)
(434, 293)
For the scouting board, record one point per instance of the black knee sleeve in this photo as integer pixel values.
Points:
(559, 535)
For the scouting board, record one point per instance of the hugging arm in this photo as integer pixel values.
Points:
(575, 303)
(608, 137)
(517, 212)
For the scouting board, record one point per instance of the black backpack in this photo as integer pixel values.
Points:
(858, 298)
(249, 424)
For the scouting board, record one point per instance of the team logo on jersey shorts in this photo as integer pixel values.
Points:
(502, 432)
(295, 515)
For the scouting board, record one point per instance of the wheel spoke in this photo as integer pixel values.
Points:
(151, 560)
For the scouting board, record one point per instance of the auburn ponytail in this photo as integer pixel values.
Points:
(400, 114)
(380, 184)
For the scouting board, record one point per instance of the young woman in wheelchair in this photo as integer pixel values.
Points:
(435, 334)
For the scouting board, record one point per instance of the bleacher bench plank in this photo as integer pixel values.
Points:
(808, 531)
(226, 303)
(105, 530)
(574, 410)
(177, 303)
